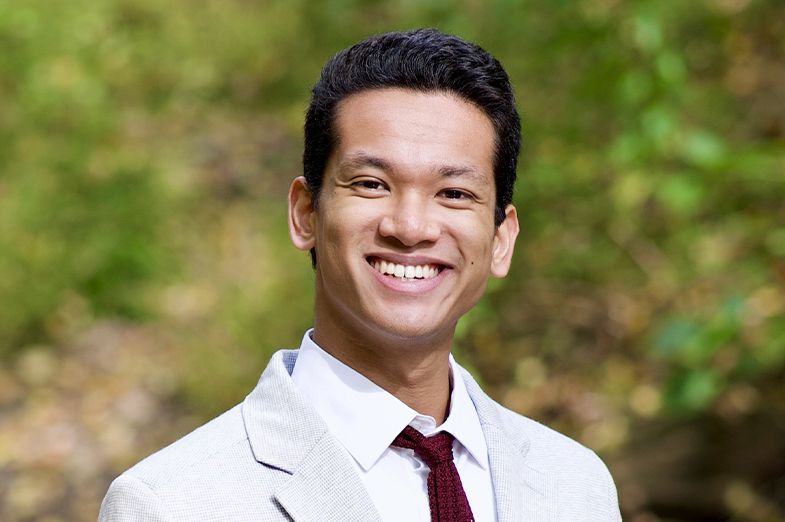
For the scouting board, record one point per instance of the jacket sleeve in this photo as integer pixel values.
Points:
(613, 499)
(131, 500)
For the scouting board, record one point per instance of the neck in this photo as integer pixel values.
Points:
(415, 372)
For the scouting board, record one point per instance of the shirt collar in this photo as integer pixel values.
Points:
(366, 418)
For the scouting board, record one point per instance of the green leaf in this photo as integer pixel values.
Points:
(681, 193)
(647, 33)
(692, 390)
(671, 68)
(698, 389)
(659, 124)
(705, 149)
(674, 335)
(635, 86)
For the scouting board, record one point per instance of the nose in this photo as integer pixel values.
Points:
(411, 221)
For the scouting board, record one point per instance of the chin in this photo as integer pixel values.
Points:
(410, 330)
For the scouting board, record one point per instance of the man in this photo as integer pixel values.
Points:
(411, 144)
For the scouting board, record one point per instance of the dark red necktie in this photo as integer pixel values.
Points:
(445, 492)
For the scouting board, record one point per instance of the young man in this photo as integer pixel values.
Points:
(411, 144)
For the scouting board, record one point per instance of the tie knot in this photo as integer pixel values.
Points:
(433, 450)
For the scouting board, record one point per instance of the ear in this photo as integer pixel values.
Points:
(300, 213)
(504, 243)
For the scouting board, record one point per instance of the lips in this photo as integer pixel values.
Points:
(404, 271)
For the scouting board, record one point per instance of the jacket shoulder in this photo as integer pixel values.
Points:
(222, 437)
(202, 476)
(582, 476)
(546, 445)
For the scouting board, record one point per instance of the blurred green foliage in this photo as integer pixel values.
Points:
(146, 148)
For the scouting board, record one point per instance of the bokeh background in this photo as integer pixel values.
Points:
(146, 275)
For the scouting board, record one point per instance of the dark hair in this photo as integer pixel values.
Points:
(421, 60)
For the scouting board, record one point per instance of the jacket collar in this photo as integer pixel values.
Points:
(282, 427)
(286, 433)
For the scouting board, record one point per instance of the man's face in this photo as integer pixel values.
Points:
(404, 232)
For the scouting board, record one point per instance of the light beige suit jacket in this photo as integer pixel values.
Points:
(272, 458)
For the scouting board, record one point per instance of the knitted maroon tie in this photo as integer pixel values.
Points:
(445, 492)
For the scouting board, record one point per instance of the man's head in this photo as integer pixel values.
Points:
(411, 147)
(421, 60)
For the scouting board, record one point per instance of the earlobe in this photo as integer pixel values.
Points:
(301, 211)
(504, 243)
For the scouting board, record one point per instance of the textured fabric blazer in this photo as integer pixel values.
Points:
(272, 458)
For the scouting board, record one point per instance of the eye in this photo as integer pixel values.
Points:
(456, 194)
(369, 184)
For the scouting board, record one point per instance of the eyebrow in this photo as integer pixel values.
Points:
(361, 160)
(452, 171)
(468, 171)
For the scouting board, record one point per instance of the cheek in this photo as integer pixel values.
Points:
(343, 234)
(475, 240)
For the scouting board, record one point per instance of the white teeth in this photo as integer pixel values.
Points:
(405, 271)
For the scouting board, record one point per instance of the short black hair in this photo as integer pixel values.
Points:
(422, 60)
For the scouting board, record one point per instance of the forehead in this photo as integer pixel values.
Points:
(415, 130)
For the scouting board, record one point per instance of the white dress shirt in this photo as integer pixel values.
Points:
(366, 419)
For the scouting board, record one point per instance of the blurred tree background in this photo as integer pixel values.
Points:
(146, 275)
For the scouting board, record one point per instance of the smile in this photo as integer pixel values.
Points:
(404, 272)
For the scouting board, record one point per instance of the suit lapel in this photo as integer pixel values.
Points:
(287, 434)
(522, 492)
(325, 487)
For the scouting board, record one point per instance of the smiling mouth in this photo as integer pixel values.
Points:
(404, 272)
